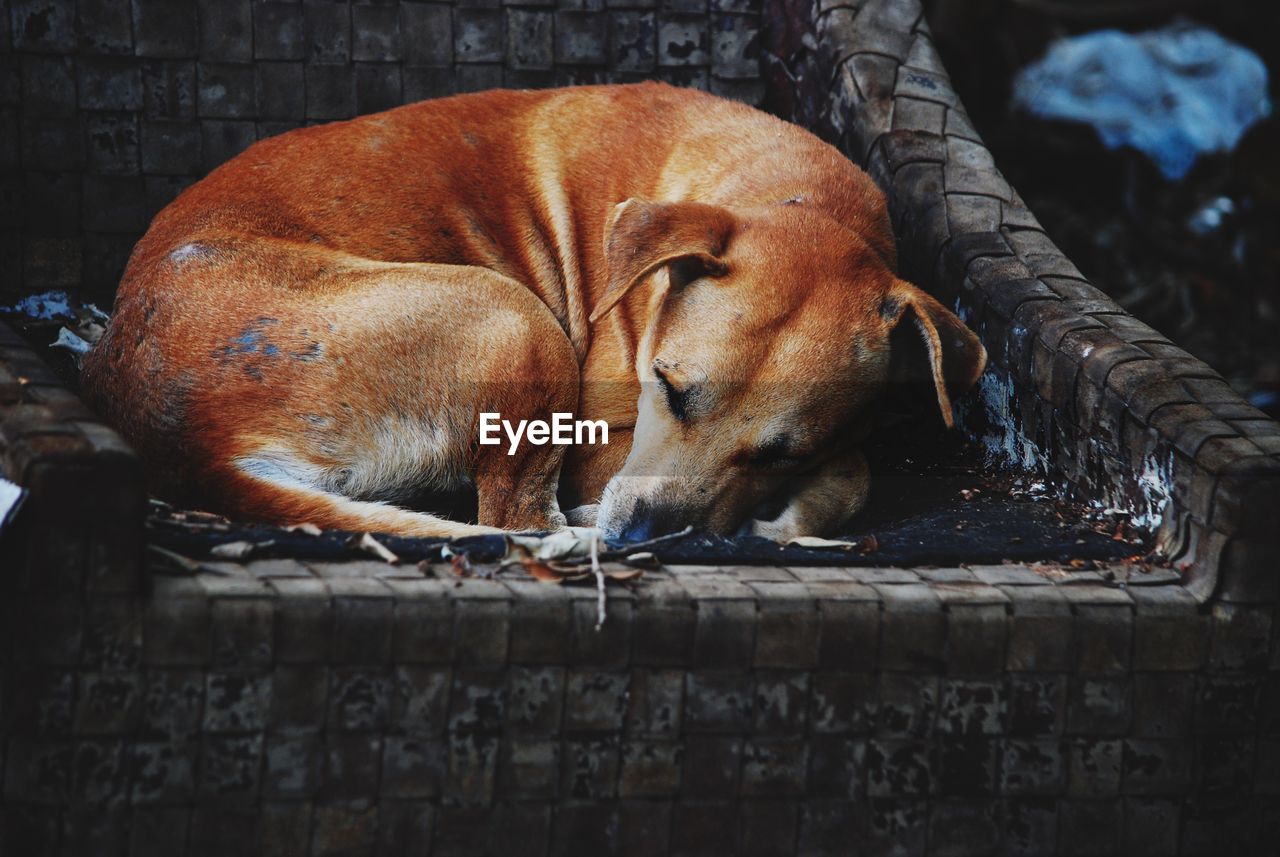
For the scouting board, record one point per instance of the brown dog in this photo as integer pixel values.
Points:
(312, 332)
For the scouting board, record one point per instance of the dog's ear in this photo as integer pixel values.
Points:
(954, 356)
(642, 236)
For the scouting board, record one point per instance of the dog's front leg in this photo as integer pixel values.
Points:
(519, 492)
(821, 502)
(517, 479)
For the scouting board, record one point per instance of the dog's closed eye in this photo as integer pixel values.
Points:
(676, 399)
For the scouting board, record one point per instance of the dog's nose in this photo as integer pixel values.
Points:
(647, 523)
(639, 531)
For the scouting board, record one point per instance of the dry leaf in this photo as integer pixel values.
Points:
(308, 528)
(517, 546)
(235, 551)
(559, 573)
(541, 571)
(204, 517)
(563, 543)
(569, 543)
(815, 542)
(176, 559)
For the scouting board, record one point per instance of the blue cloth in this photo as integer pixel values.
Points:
(1173, 94)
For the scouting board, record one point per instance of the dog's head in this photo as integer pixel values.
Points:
(769, 335)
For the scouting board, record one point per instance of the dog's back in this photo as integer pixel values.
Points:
(512, 181)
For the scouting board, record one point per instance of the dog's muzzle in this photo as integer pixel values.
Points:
(647, 522)
(637, 509)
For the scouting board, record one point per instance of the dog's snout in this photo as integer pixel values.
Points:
(647, 522)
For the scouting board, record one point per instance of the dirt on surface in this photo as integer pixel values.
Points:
(934, 502)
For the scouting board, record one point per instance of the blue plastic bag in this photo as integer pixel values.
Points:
(1173, 94)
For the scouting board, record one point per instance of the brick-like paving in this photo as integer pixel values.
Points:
(371, 708)
(283, 707)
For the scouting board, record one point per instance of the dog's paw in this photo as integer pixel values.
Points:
(782, 529)
(582, 516)
(552, 522)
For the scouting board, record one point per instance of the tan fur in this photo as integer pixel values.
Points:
(312, 331)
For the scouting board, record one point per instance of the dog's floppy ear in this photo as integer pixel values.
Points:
(642, 236)
(954, 356)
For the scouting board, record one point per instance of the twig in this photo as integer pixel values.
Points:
(634, 546)
(190, 566)
(595, 569)
(368, 543)
(183, 563)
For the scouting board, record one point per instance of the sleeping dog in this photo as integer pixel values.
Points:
(314, 331)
